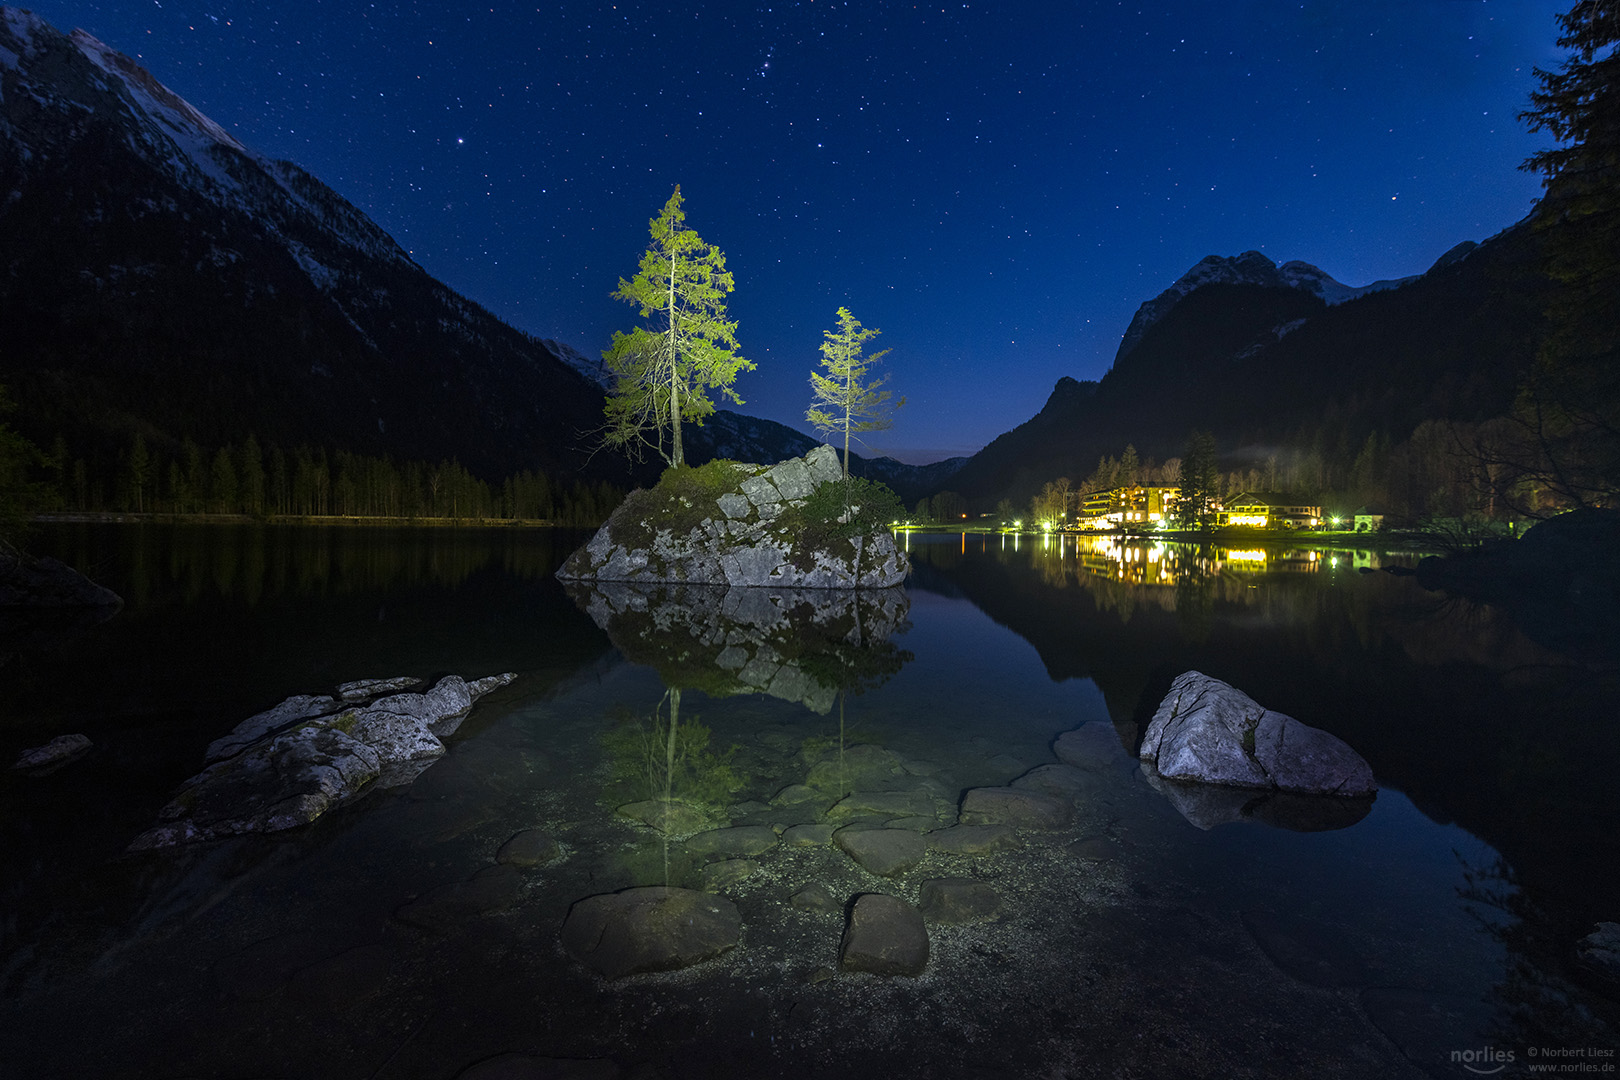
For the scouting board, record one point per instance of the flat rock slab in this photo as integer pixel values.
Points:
(1091, 746)
(1019, 807)
(60, 751)
(858, 768)
(958, 900)
(974, 840)
(724, 874)
(815, 897)
(1309, 951)
(734, 842)
(1058, 781)
(1429, 1027)
(893, 804)
(1207, 731)
(807, 835)
(669, 816)
(491, 889)
(885, 936)
(531, 847)
(885, 852)
(653, 928)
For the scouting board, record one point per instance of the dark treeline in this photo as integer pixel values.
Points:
(266, 481)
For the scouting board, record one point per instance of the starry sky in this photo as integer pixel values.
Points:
(996, 186)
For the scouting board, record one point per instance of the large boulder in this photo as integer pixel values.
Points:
(738, 527)
(885, 936)
(653, 928)
(1206, 731)
(290, 764)
(28, 582)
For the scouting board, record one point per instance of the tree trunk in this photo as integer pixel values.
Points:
(677, 456)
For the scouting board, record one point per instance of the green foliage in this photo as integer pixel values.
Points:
(21, 496)
(660, 373)
(845, 402)
(645, 763)
(837, 512)
(1200, 482)
(683, 499)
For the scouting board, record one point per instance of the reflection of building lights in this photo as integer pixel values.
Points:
(1246, 556)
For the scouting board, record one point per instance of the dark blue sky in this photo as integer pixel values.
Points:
(995, 185)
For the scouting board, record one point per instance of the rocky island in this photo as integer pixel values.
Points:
(797, 524)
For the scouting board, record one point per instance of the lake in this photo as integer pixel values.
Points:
(1430, 934)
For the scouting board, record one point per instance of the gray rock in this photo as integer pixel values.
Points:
(723, 875)
(1090, 746)
(531, 847)
(807, 835)
(885, 803)
(491, 889)
(974, 840)
(795, 795)
(669, 816)
(741, 840)
(958, 900)
(744, 543)
(1207, 731)
(1018, 807)
(294, 709)
(1600, 950)
(885, 852)
(913, 824)
(857, 768)
(60, 751)
(27, 582)
(1058, 781)
(653, 928)
(885, 936)
(365, 689)
(815, 897)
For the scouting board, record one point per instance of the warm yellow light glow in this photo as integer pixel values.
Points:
(1246, 556)
(1248, 519)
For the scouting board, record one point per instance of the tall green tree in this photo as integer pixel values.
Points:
(20, 495)
(846, 402)
(1568, 410)
(661, 372)
(1200, 482)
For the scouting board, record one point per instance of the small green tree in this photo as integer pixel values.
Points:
(140, 471)
(846, 403)
(20, 495)
(1200, 482)
(660, 372)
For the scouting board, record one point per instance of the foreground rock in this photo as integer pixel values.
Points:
(1209, 732)
(1019, 807)
(742, 527)
(287, 766)
(885, 852)
(654, 928)
(27, 582)
(885, 936)
(60, 751)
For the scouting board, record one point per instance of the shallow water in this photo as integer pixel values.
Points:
(1130, 942)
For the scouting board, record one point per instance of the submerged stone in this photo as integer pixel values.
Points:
(60, 751)
(807, 835)
(669, 816)
(885, 936)
(491, 889)
(531, 847)
(741, 840)
(958, 900)
(652, 928)
(721, 875)
(974, 840)
(885, 852)
(1018, 807)
(815, 897)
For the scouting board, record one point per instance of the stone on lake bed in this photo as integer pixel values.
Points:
(722, 875)
(815, 897)
(974, 840)
(741, 840)
(795, 795)
(958, 900)
(53, 755)
(1090, 746)
(885, 936)
(531, 847)
(669, 816)
(807, 835)
(885, 852)
(894, 804)
(491, 889)
(1019, 807)
(1058, 781)
(651, 928)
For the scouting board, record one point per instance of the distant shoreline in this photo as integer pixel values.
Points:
(88, 517)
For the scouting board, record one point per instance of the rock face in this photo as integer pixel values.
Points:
(786, 643)
(654, 928)
(60, 751)
(885, 936)
(741, 536)
(287, 766)
(46, 583)
(1209, 732)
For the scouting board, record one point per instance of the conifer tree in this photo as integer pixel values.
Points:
(845, 402)
(661, 371)
(1200, 482)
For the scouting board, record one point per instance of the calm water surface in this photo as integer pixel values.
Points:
(1132, 943)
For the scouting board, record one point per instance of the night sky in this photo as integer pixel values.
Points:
(995, 185)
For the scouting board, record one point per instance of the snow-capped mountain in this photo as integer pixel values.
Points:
(1249, 268)
(157, 275)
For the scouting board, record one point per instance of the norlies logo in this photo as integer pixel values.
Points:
(1485, 1061)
